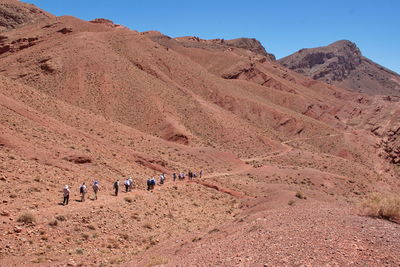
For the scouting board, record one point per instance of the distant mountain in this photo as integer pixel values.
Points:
(14, 14)
(341, 63)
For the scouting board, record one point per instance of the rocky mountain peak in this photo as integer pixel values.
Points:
(251, 44)
(14, 14)
(330, 63)
(342, 63)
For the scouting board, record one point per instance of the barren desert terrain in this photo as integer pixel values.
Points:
(287, 161)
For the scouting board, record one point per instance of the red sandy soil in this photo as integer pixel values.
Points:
(84, 101)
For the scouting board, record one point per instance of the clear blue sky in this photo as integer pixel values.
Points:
(283, 26)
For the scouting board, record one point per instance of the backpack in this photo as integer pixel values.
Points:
(115, 184)
(81, 189)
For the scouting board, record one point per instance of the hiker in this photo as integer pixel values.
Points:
(116, 187)
(200, 173)
(66, 195)
(174, 176)
(130, 183)
(194, 175)
(127, 185)
(83, 191)
(152, 183)
(190, 174)
(162, 178)
(148, 184)
(96, 188)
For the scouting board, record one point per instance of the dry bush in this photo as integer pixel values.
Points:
(300, 195)
(125, 236)
(61, 218)
(377, 205)
(91, 227)
(26, 218)
(148, 225)
(85, 236)
(156, 261)
(53, 223)
(128, 199)
(39, 260)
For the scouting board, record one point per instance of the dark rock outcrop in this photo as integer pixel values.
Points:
(249, 44)
(342, 63)
(15, 14)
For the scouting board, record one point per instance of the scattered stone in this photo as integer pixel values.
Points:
(65, 30)
(5, 213)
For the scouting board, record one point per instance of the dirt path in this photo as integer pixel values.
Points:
(287, 150)
(221, 189)
(310, 138)
(106, 198)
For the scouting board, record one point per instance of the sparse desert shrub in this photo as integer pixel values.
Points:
(156, 261)
(116, 260)
(53, 223)
(215, 230)
(38, 260)
(135, 217)
(91, 227)
(128, 199)
(34, 189)
(254, 228)
(291, 202)
(85, 236)
(382, 206)
(79, 251)
(300, 195)
(125, 236)
(61, 218)
(26, 218)
(153, 241)
(195, 239)
(147, 225)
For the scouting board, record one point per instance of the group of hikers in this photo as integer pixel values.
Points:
(151, 182)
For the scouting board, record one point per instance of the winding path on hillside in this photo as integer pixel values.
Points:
(107, 198)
